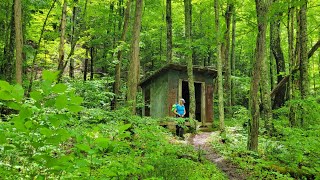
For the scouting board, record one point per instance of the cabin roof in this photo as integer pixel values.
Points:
(173, 66)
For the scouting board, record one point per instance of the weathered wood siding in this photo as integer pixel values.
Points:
(209, 102)
(173, 88)
(159, 96)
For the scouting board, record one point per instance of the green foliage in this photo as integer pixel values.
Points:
(96, 93)
(298, 151)
(49, 137)
(292, 154)
(31, 140)
(306, 112)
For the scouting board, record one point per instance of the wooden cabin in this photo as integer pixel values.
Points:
(169, 84)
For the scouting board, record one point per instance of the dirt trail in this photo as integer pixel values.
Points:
(200, 141)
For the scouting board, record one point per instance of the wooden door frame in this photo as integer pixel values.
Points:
(203, 98)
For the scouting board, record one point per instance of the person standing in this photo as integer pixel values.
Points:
(180, 112)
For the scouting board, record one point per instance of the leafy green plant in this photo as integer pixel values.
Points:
(35, 132)
(292, 154)
(51, 136)
(96, 93)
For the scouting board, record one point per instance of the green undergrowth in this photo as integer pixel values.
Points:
(293, 153)
(51, 135)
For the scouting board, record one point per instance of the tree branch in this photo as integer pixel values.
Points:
(314, 49)
(286, 78)
(37, 49)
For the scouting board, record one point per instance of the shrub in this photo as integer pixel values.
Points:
(50, 137)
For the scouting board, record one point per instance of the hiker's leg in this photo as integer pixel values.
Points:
(177, 130)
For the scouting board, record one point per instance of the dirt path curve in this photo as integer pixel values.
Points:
(200, 141)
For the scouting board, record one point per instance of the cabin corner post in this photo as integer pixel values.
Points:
(179, 90)
(209, 103)
(203, 103)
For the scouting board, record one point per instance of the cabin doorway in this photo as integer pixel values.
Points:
(147, 102)
(198, 89)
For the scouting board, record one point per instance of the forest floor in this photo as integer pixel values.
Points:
(201, 143)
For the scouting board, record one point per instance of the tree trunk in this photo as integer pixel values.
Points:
(71, 70)
(73, 38)
(233, 56)
(18, 40)
(319, 61)
(275, 44)
(169, 31)
(225, 57)
(160, 44)
(304, 62)
(272, 67)
(188, 24)
(219, 66)
(85, 69)
(133, 73)
(117, 82)
(266, 98)
(33, 74)
(8, 51)
(92, 56)
(290, 29)
(262, 10)
(314, 75)
(62, 39)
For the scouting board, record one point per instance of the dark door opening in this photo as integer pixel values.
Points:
(186, 97)
(147, 102)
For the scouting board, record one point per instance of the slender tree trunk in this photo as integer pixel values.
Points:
(62, 38)
(18, 40)
(117, 82)
(290, 26)
(73, 38)
(92, 56)
(304, 62)
(275, 43)
(71, 68)
(169, 31)
(8, 51)
(111, 18)
(233, 56)
(319, 62)
(160, 44)
(262, 10)
(314, 76)
(188, 24)
(33, 74)
(6, 37)
(225, 57)
(85, 69)
(161, 33)
(133, 74)
(219, 66)
(271, 61)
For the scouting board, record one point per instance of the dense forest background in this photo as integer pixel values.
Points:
(69, 93)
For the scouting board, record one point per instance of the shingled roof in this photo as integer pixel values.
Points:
(197, 69)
